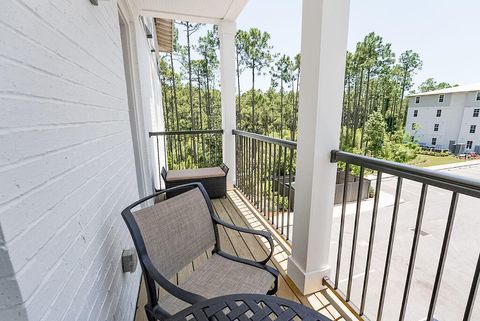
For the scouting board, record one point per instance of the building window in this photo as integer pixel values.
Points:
(439, 112)
(476, 111)
(435, 128)
(478, 95)
(415, 113)
(434, 141)
(417, 100)
(441, 98)
(469, 144)
(472, 129)
(414, 125)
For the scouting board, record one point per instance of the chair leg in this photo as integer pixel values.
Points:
(149, 313)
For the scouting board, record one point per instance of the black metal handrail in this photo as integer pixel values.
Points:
(265, 174)
(189, 148)
(453, 183)
(186, 132)
(267, 139)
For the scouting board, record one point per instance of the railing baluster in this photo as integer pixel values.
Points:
(264, 170)
(342, 224)
(289, 208)
(164, 149)
(391, 239)
(443, 255)
(250, 171)
(237, 159)
(371, 239)
(259, 179)
(283, 187)
(158, 155)
(242, 186)
(257, 152)
(269, 181)
(272, 185)
(355, 233)
(265, 179)
(413, 252)
(473, 292)
(277, 186)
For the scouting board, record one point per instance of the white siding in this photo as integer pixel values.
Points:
(454, 123)
(66, 160)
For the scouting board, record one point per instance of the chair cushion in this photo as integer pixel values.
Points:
(196, 173)
(176, 231)
(220, 276)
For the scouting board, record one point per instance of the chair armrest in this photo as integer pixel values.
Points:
(224, 168)
(171, 288)
(264, 234)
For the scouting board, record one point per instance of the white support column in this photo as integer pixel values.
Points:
(324, 46)
(227, 30)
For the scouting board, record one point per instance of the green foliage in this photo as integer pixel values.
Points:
(375, 130)
(430, 84)
(431, 152)
(373, 108)
(400, 147)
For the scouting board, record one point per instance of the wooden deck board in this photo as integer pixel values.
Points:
(234, 210)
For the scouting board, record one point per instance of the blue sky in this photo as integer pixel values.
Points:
(446, 33)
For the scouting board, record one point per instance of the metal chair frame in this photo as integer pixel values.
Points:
(152, 276)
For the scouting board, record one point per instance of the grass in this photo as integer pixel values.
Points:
(429, 160)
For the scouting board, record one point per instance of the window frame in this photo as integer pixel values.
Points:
(415, 112)
(417, 100)
(476, 112)
(441, 98)
(436, 127)
(439, 113)
(471, 144)
(434, 141)
(473, 129)
(478, 96)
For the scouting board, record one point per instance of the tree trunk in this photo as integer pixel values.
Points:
(201, 114)
(365, 108)
(348, 114)
(190, 93)
(239, 109)
(253, 96)
(174, 85)
(281, 108)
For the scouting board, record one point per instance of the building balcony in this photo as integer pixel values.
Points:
(389, 249)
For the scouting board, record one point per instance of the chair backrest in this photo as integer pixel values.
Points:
(176, 231)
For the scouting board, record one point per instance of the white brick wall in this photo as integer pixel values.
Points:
(66, 162)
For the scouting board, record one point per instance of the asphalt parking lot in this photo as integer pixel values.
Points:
(461, 259)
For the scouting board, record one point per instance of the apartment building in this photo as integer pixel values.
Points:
(441, 118)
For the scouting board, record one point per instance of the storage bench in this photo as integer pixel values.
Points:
(214, 179)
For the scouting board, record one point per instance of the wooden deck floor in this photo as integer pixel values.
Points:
(235, 210)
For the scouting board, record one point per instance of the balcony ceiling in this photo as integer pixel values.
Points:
(204, 11)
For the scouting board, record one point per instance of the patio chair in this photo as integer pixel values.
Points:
(172, 233)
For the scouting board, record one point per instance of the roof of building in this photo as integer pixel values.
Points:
(451, 90)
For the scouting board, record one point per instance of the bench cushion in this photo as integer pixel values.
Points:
(220, 276)
(197, 173)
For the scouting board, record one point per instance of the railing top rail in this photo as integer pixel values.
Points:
(454, 183)
(186, 132)
(268, 139)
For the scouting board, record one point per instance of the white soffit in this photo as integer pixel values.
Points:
(199, 11)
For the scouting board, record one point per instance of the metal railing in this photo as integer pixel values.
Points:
(265, 174)
(457, 185)
(189, 148)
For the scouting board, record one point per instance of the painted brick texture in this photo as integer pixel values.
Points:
(66, 163)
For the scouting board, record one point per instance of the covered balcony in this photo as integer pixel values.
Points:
(84, 135)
